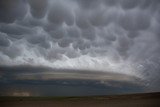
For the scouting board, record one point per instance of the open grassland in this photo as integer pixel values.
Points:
(129, 100)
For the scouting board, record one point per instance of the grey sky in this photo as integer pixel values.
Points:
(117, 36)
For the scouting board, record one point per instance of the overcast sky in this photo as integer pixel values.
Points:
(85, 36)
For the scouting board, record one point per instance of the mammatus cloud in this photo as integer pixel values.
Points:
(12, 10)
(104, 35)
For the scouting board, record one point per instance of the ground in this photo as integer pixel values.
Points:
(132, 100)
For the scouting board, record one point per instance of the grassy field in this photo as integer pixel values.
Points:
(130, 100)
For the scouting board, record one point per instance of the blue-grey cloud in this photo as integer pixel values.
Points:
(12, 10)
(4, 41)
(38, 8)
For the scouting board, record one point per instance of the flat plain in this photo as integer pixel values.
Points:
(127, 100)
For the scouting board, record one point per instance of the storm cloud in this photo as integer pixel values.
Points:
(45, 81)
(97, 35)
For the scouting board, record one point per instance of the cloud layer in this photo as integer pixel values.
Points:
(44, 81)
(105, 35)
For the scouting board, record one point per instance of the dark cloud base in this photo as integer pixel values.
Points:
(19, 80)
(68, 88)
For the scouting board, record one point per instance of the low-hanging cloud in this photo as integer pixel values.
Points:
(12, 10)
(105, 35)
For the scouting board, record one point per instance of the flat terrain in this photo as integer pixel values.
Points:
(130, 100)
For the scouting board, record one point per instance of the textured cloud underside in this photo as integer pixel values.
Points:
(106, 35)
